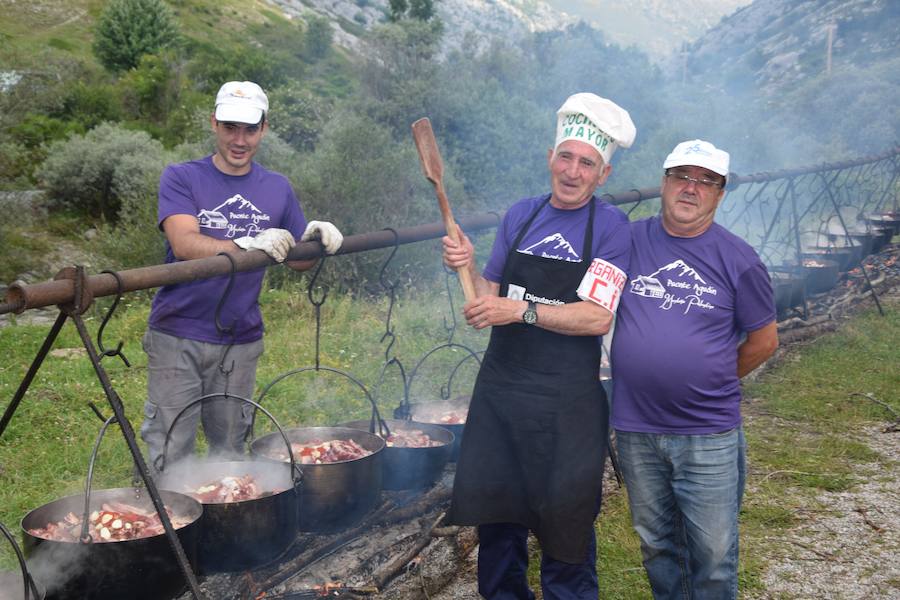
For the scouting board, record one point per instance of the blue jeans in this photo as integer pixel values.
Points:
(503, 562)
(685, 493)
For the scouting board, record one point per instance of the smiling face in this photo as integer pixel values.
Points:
(236, 144)
(576, 170)
(688, 207)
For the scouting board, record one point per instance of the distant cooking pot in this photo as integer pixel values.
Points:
(821, 274)
(411, 467)
(332, 493)
(789, 285)
(142, 568)
(840, 256)
(451, 414)
(890, 220)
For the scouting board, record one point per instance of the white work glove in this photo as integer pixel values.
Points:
(326, 233)
(274, 242)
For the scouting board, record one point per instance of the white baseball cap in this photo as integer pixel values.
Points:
(596, 121)
(698, 153)
(241, 102)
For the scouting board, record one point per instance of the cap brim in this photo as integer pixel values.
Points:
(669, 164)
(229, 113)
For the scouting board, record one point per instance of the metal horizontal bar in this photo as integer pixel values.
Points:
(21, 296)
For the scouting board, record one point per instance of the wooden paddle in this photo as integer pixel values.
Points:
(433, 167)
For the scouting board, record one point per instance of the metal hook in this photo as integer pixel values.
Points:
(318, 306)
(312, 285)
(391, 288)
(118, 351)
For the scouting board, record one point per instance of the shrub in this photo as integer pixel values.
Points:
(89, 104)
(93, 173)
(129, 29)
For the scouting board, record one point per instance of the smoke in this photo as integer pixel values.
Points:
(187, 475)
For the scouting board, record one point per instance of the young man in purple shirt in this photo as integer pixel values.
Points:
(697, 314)
(221, 203)
(535, 439)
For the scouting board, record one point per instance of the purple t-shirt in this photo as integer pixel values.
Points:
(559, 234)
(227, 207)
(686, 306)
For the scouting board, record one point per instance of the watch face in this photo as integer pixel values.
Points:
(530, 316)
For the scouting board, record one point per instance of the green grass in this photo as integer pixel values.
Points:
(800, 418)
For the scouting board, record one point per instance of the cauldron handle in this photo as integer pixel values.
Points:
(272, 383)
(296, 471)
(85, 522)
(27, 581)
(403, 411)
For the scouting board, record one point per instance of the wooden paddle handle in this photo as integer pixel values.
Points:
(465, 277)
(433, 167)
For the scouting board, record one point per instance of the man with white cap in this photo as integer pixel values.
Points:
(698, 315)
(534, 444)
(221, 203)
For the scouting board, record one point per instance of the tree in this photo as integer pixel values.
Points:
(422, 10)
(398, 9)
(297, 115)
(129, 29)
(318, 37)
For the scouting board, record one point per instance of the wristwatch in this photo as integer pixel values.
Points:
(529, 317)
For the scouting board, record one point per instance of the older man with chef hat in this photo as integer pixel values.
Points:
(534, 444)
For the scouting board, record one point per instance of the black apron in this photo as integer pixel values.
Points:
(534, 443)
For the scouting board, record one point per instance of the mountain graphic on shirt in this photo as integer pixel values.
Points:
(683, 270)
(553, 246)
(230, 203)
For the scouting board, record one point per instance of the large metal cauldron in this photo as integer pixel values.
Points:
(241, 535)
(245, 534)
(890, 220)
(332, 493)
(821, 274)
(450, 414)
(410, 468)
(840, 256)
(789, 286)
(144, 568)
(881, 237)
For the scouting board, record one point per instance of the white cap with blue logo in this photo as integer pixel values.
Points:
(698, 153)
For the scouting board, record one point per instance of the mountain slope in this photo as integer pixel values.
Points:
(772, 45)
(657, 27)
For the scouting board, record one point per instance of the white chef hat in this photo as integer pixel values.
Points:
(596, 121)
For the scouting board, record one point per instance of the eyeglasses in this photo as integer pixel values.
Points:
(702, 181)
